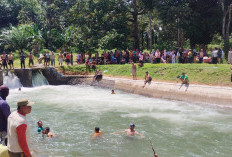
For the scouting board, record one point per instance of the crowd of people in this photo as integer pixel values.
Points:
(121, 57)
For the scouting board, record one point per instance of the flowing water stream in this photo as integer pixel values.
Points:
(177, 129)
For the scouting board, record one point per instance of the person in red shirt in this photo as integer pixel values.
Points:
(18, 130)
(67, 58)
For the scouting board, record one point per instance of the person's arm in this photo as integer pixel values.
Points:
(120, 132)
(21, 133)
(141, 135)
(6, 110)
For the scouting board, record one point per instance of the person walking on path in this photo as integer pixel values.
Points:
(4, 113)
(22, 60)
(18, 130)
(133, 71)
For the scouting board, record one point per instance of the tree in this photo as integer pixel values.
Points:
(226, 7)
(17, 38)
(149, 5)
(202, 21)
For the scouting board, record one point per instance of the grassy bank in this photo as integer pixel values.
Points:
(198, 73)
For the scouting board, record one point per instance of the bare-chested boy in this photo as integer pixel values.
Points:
(131, 131)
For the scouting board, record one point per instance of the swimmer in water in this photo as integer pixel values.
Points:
(40, 126)
(97, 134)
(48, 133)
(112, 92)
(130, 132)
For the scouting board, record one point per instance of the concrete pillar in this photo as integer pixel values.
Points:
(25, 76)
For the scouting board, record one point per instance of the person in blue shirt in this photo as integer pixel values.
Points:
(40, 126)
(4, 113)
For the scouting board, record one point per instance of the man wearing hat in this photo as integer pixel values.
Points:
(18, 130)
(4, 113)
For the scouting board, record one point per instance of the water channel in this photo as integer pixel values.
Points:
(177, 129)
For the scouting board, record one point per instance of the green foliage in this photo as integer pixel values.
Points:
(17, 38)
(87, 25)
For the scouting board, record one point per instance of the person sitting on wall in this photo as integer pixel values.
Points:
(184, 78)
(147, 79)
(99, 76)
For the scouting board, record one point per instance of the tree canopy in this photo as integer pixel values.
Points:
(88, 25)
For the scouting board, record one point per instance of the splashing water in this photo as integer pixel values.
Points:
(11, 80)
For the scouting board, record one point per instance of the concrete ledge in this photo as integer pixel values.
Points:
(192, 93)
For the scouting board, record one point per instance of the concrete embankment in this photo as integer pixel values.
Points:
(172, 91)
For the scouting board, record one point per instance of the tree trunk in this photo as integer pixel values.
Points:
(150, 30)
(227, 34)
(135, 23)
(223, 18)
(142, 38)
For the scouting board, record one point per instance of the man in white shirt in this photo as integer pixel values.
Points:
(18, 130)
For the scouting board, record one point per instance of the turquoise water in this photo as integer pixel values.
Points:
(177, 129)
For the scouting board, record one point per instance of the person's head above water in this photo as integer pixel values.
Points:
(97, 129)
(40, 123)
(112, 92)
(132, 126)
(4, 92)
(46, 130)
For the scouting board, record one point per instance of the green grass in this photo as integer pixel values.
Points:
(198, 73)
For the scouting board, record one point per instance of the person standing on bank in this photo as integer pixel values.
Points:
(133, 71)
(18, 130)
(11, 60)
(22, 60)
(71, 58)
(53, 58)
(31, 58)
(4, 60)
(4, 113)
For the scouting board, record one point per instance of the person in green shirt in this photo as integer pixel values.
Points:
(184, 78)
(40, 127)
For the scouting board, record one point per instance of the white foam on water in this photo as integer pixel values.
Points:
(11, 80)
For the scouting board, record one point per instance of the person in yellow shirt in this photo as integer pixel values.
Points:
(97, 134)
